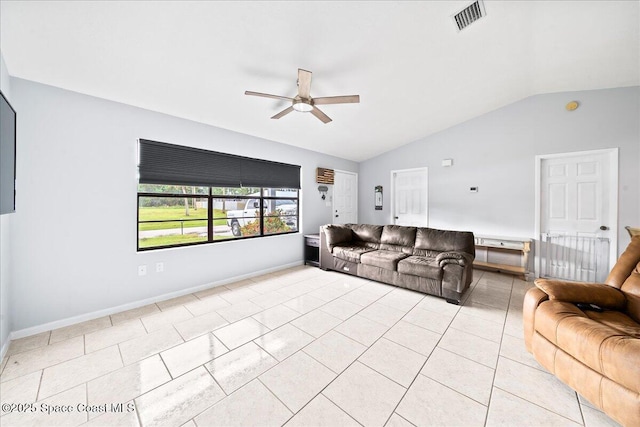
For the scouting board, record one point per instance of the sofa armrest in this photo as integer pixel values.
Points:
(460, 258)
(532, 299)
(457, 274)
(582, 292)
(336, 234)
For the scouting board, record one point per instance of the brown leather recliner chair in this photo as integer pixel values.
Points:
(597, 353)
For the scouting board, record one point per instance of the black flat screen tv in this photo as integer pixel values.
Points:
(7, 157)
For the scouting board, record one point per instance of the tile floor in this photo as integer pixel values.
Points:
(296, 347)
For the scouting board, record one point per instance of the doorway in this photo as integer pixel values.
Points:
(345, 197)
(576, 214)
(409, 197)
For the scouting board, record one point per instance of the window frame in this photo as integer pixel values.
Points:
(210, 197)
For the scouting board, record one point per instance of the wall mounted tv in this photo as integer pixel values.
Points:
(7, 157)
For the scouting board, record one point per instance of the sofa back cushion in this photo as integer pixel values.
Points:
(631, 289)
(366, 232)
(431, 240)
(625, 276)
(337, 234)
(625, 265)
(398, 238)
(398, 235)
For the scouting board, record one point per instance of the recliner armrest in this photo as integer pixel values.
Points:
(459, 258)
(599, 294)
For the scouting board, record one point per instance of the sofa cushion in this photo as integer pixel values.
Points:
(383, 259)
(366, 232)
(443, 240)
(605, 348)
(350, 253)
(407, 250)
(608, 351)
(616, 320)
(398, 235)
(420, 266)
(337, 234)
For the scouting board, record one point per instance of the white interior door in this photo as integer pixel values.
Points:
(409, 189)
(578, 215)
(345, 198)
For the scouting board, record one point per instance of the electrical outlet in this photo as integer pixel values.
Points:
(142, 270)
(159, 267)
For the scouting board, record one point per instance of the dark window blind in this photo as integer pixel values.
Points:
(162, 163)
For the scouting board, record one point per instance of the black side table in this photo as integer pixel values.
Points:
(312, 249)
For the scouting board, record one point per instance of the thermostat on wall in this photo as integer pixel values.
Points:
(473, 189)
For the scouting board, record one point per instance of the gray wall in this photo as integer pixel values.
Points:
(75, 226)
(5, 220)
(74, 232)
(496, 153)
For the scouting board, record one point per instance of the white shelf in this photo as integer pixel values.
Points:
(504, 254)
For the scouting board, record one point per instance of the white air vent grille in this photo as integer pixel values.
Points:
(469, 15)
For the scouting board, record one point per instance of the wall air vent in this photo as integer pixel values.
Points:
(469, 15)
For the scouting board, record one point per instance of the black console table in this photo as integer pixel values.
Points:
(312, 249)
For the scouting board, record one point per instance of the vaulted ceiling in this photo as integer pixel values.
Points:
(415, 72)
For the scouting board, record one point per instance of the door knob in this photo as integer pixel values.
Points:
(604, 227)
(396, 217)
(337, 216)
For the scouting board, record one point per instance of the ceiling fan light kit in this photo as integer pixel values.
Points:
(302, 106)
(303, 102)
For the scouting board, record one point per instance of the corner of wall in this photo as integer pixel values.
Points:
(5, 232)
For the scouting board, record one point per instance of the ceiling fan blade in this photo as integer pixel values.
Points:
(347, 99)
(266, 95)
(304, 83)
(319, 114)
(283, 113)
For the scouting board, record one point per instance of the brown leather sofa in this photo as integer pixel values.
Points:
(597, 353)
(435, 262)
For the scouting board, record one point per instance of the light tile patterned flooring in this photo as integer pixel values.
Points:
(296, 347)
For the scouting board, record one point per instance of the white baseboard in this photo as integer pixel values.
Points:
(128, 306)
(5, 348)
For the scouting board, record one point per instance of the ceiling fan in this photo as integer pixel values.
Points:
(304, 103)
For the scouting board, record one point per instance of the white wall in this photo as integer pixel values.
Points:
(5, 254)
(496, 153)
(75, 225)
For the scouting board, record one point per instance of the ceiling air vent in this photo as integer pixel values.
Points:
(469, 15)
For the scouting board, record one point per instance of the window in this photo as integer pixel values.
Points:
(180, 213)
(173, 215)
